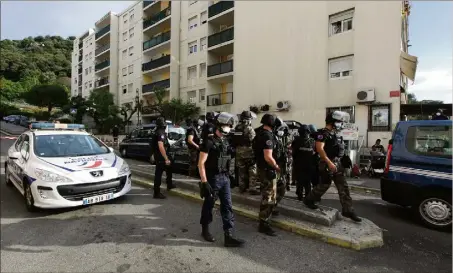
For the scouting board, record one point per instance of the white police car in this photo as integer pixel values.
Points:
(61, 165)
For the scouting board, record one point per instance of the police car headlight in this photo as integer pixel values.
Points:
(124, 169)
(50, 176)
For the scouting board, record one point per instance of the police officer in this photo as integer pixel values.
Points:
(161, 147)
(265, 153)
(245, 159)
(193, 142)
(213, 165)
(331, 148)
(315, 158)
(208, 127)
(439, 115)
(303, 151)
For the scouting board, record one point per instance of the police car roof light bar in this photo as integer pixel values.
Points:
(56, 126)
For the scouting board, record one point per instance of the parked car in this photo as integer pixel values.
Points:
(418, 170)
(10, 118)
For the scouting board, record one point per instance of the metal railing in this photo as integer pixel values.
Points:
(80, 58)
(102, 65)
(101, 49)
(101, 82)
(220, 99)
(147, 3)
(156, 18)
(221, 37)
(80, 70)
(150, 87)
(156, 63)
(220, 68)
(149, 109)
(159, 39)
(80, 46)
(219, 7)
(102, 31)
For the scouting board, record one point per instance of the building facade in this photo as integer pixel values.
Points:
(303, 60)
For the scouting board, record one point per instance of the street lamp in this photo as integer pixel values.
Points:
(137, 103)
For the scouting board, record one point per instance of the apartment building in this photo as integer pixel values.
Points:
(303, 60)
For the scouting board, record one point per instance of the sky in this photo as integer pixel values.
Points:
(430, 33)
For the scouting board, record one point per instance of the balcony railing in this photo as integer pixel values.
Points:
(149, 109)
(102, 31)
(219, 8)
(80, 58)
(80, 70)
(156, 63)
(102, 65)
(156, 18)
(151, 87)
(147, 3)
(220, 99)
(101, 49)
(159, 39)
(80, 46)
(220, 68)
(101, 82)
(221, 37)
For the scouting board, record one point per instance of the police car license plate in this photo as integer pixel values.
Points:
(97, 199)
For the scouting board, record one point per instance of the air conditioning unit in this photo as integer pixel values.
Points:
(366, 96)
(283, 105)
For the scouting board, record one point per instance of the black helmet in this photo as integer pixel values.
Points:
(304, 130)
(269, 120)
(210, 116)
(160, 122)
(312, 128)
(336, 116)
(246, 115)
(197, 122)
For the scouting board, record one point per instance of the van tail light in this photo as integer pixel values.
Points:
(387, 159)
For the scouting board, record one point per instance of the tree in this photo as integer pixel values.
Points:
(128, 110)
(80, 104)
(47, 95)
(103, 110)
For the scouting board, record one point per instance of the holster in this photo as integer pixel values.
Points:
(271, 174)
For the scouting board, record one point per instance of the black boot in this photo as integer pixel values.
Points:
(207, 236)
(158, 195)
(169, 188)
(352, 215)
(266, 229)
(310, 204)
(230, 241)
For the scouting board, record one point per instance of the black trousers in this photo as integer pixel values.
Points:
(160, 168)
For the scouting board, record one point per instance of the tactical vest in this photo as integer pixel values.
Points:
(240, 138)
(220, 149)
(196, 137)
(334, 146)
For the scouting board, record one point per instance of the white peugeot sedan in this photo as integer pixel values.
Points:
(61, 165)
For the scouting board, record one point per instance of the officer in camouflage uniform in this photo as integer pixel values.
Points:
(331, 148)
(245, 159)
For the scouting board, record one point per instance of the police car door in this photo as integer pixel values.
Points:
(20, 163)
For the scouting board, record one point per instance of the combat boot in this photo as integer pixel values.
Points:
(158, 195)
(351, 215)
(310, 204)
(265, 228)
(231, 241)
(207, 236)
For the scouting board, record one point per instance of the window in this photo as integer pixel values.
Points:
(124, 54)
(192, 47)
(434, 141)
(125, 19)
(192, 2)
(124, 89)
(125, 36)
(202, 70)
(203, 44)
(192, 96)
(131, 51)
(131, 69)
(24, 149)
(193, 22)
(201, 94)
(348, 109)
(379, 118)
(91, 55)
(86, 71)
(124, 71)
(131, 15)
(129, 88)
(204, 17)
(90, 69)
(341, 22)
(192, 72)
(340, 67)
(91, 84)
(131, 32)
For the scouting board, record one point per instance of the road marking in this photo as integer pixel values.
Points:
(8, 137)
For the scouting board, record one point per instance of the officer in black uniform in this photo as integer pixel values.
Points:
(193, 142)
(208, 127)
(161, 147)
(315, 159)
(213, 166)
(331, 148)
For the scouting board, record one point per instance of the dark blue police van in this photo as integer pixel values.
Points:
(418, 172)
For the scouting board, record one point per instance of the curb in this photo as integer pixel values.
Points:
(366, 190)
(6, 133)
(281, 224)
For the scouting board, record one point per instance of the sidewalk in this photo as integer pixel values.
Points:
(11, 129)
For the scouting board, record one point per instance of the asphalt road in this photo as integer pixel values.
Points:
(139, 234)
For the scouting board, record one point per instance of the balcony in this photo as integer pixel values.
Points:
(101, 49)
(102, 65)
(150, 110)
(101, 82)
(80, 46)
(80, 58)
(219, 8)
(147, 3)
(220, 99)
(80, 70)
(151, 87)
(221, 43)
(152, 65)
(221, 72)
(157, 18)
(157, 40)
(101, 32)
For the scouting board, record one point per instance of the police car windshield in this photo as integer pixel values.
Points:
(68, 145)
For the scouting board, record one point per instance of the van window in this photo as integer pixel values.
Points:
(432, 141)
(145, 133)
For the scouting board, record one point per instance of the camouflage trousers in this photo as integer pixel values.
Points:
(269, 194)
(246, 168)
(325, 179)
(193, 161)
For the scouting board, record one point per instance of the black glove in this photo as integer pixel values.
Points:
(205, 190)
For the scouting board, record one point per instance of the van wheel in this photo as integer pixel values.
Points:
(152, 160)
(124, 152)
(435, 211)
(7, 176)
(28, 198)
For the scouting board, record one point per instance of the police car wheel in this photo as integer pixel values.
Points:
(28, 198)
(7, 177)
(124, 152)
(436, 212)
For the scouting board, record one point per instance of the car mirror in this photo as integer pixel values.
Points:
(111, 149)
(15, 155)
